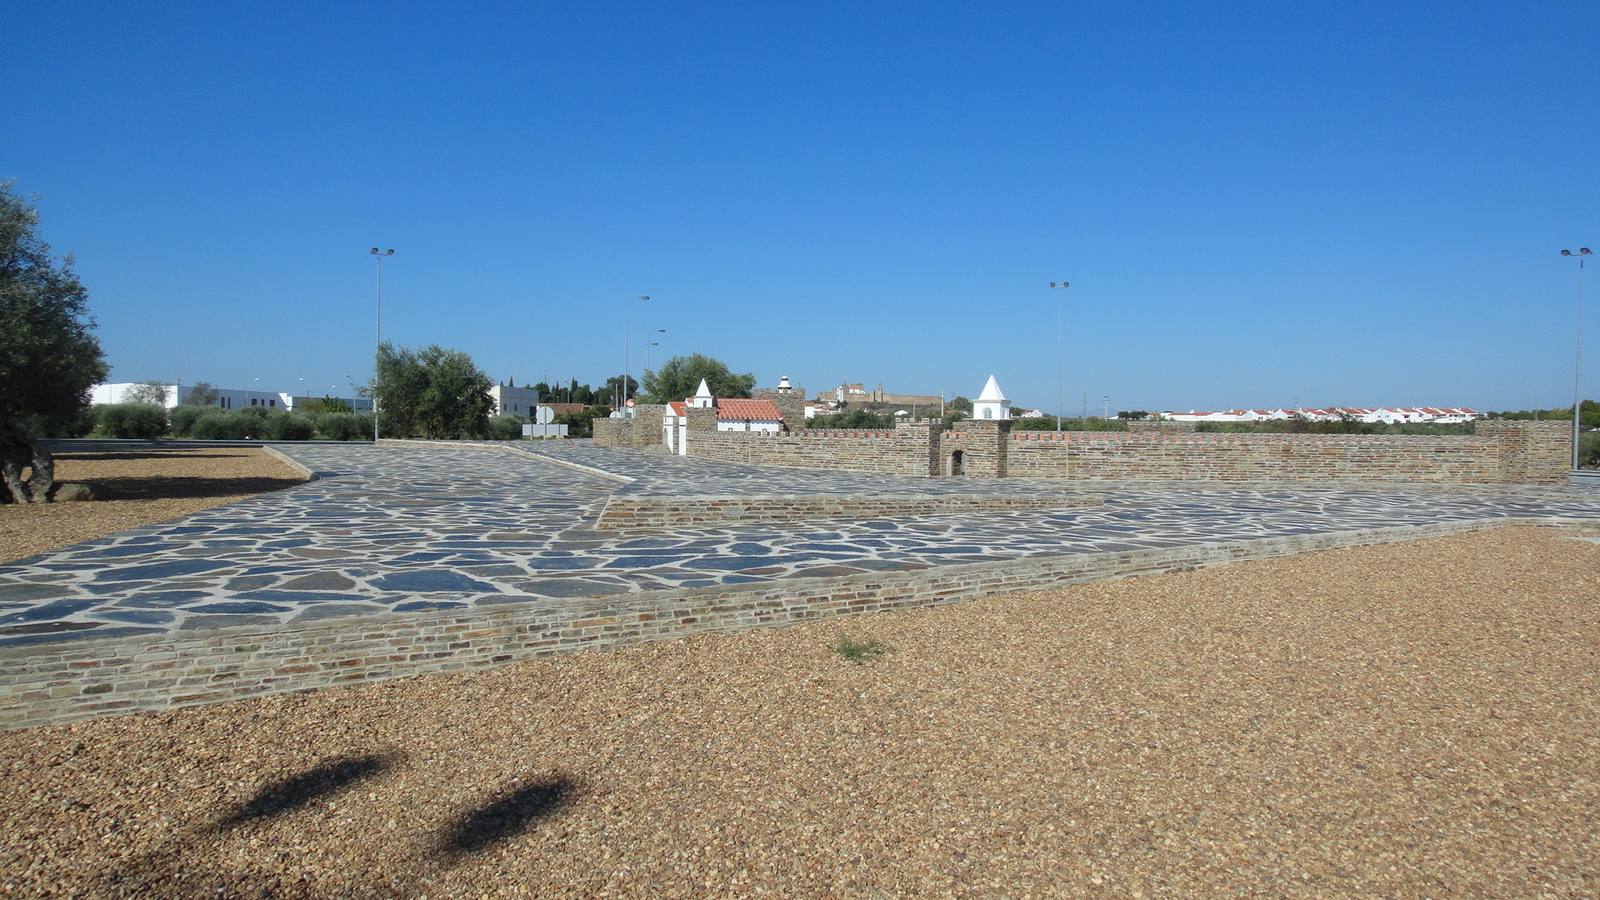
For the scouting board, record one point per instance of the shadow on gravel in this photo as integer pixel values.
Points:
(90, 455)
(289, 794)
(175, 488)
(507, 816)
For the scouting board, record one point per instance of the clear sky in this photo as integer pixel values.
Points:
(1354, 203)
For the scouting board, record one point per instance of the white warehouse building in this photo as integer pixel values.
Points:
(176, 395)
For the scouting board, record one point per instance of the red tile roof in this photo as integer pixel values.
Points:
(678, 408)
(748, 410)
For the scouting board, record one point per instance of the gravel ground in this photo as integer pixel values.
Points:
(137, 487)
(1415, 719)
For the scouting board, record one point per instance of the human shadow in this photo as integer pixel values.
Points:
(506, 816)
(288, 794)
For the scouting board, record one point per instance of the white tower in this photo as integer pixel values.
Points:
(991, 404)
(702, 398)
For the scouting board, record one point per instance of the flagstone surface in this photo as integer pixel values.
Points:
(391, 529)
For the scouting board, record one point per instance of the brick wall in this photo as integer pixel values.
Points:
(87, 678)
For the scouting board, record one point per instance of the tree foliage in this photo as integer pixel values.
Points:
(431, 393)
(202, 394)
(679, 376)
(151, 392)
(49, 356)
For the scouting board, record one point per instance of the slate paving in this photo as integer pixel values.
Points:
(402, 530)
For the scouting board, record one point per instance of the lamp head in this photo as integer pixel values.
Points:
(1583, 251)
(1061, 284)
(1566, 253)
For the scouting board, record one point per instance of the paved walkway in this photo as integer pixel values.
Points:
(410, 530)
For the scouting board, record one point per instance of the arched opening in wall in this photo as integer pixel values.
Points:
(956, 465)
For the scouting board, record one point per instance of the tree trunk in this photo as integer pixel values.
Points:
(18, 451)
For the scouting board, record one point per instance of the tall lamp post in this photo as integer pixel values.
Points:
(1062, 285)
(377, 335)
(1577, 358)
(622, 389)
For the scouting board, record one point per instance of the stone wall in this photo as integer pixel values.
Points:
(1517, 452)
(641, 432)
(910, 448)
(1164, 426)
(982, 445)
(87, 678)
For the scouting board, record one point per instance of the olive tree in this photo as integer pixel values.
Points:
(49, 356)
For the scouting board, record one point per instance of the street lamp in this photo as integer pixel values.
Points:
(622, 389)
(1063, 285)
(647, 347)
(1577, 358)
(377, 332)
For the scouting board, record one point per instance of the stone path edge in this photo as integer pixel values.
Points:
(289, 461)
(627, 515)
(62, 683)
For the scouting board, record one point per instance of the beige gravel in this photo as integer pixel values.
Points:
(138, 487)
(1414, 719)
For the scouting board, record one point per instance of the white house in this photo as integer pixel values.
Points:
(733, 414)
(739, 414)
(991, 404)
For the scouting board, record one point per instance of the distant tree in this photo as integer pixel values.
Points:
(855, 418)
(151, 392)
(1133, 414)
(202, 394)
(609, 392)
(327, 405)
(432, 392)
(960, 404)
(680, 376)
(49, 356)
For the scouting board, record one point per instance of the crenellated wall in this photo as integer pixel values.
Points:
(1501, 452)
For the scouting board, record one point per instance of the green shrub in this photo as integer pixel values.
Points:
(67, 425)
(183, 419)
(343, 426)
(255, 412)
(217, 425)
(505, 428)
(1048, 423)
(1589, 450)
(859, 651)
(130, 420)
(289, 426)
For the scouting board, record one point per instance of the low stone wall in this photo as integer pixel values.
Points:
(632, 513)
(87, 678)
(1508, 452)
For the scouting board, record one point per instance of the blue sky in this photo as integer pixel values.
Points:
(1256, 203)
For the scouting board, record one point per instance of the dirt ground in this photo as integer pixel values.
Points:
(1414, 719)
(137, 487)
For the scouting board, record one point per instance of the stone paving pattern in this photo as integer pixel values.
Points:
(393, 529)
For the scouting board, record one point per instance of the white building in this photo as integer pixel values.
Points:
(176, 395)
(991, 404)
